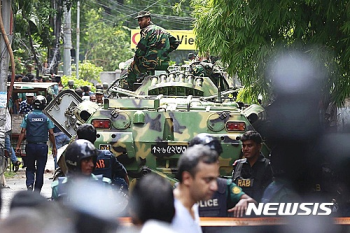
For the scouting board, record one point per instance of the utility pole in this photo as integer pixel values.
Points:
(4, 67)
(4, 62)
(78, 40)
(67, 31)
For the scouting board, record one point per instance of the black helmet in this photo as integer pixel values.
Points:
(78, 150)
(207, 140)
(39, 102)
(70, 83)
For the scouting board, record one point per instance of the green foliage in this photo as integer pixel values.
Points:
(245, 34)
(78, 83)
(104, 44)
(88, 71)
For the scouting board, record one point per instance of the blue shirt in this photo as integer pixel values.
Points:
(24, 107)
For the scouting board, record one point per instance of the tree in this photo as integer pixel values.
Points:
(246, 33)
(103, 43)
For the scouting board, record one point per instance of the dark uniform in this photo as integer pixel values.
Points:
(60, 186)
(37, 126)
(226, 197)
(252, 180)
(108, 166)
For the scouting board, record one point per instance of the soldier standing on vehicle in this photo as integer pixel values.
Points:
(38, 129)
(252, 173)
(152, 51)
(229, 198)
(198, 170)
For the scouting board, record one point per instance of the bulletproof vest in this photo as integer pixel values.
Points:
(248, 182)
(104, 164)
(62, 186)
(217, 205)
(37, 130)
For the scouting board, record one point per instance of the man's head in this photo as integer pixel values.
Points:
(93, 98)
(29, 98)
(144, 19)
(71, 84)
(207, 140)
(198, 170)
(152, 198)
(79, 92)
(87, 132)
(39, 102)
(80, 157)
(251, 144)
(99, 96)
(86, 89)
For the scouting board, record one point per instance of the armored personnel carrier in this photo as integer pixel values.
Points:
(149, 128)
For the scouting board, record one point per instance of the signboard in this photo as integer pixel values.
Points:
(186, 37)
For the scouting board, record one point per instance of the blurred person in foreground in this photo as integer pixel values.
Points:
(32, 212)
(229, 198)
(198, 170)
(152, 204)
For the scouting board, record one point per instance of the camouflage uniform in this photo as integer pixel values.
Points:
(152, 52)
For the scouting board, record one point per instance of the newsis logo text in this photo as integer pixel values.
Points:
(289, 209)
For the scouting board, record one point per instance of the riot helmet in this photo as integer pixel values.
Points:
(77, 151)
(207, 140)
(39, 102)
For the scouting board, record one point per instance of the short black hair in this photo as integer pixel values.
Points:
(27, 199)
(87, 132)
(251, 135)
(79, 92)
(152, 198)
(192, 156)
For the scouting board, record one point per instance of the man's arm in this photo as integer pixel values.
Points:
(241, 206)
(52, 140)
(20, 139)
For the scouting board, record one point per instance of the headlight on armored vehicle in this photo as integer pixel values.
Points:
(235, 126)
(101, 123)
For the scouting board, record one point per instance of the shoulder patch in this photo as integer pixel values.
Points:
(236, 190)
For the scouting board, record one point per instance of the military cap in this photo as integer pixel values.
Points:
(99, 91)
(143, 14)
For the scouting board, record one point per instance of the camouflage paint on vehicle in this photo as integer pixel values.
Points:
(150, 128)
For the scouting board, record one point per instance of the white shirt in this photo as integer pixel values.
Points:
(183, 221)
(153, 226)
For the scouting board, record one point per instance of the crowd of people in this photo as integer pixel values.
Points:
(93, 188)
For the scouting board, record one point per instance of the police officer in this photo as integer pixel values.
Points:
(80, 158)
(229, 198)
(106, 164)
(152, 51)
(38, 129)
(252, 173)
